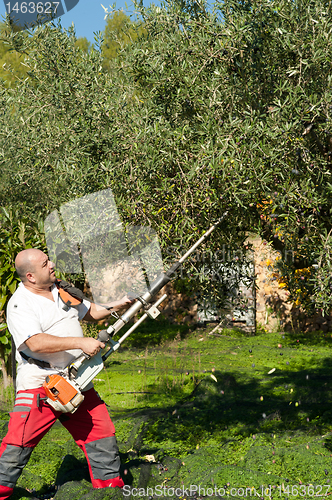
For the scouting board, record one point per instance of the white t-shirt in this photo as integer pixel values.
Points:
(29, 314)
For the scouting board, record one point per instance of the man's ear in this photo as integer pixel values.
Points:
(30, 277)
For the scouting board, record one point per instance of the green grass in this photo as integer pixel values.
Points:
(211, 402)
(277, 424)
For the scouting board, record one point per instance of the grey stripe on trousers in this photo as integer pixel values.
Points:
(13, 459)
(104, 458)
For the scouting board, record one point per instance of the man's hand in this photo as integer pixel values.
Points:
(119, 304)
(91, 346)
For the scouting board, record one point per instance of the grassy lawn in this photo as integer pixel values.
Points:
(237, 411)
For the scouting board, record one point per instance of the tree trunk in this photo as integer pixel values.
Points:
(6, 379)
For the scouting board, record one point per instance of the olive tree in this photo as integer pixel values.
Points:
(233, 110)
(204, 111)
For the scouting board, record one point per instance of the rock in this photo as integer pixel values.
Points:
(310, 321)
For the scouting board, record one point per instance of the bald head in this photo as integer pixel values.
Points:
(26, 262)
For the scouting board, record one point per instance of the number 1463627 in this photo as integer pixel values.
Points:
(32, 7)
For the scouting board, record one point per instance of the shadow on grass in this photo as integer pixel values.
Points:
(286, 401)
(295, 339)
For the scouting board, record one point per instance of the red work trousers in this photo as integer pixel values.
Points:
(90, 426)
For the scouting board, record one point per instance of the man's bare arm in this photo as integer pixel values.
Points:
(43, 342)
(97, 312)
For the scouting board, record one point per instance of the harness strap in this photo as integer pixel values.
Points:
(76, 293)
(73, 291)
(33, 361)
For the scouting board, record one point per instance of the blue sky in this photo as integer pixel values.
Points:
(87, 15)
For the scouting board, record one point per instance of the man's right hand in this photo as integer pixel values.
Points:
(91, 346)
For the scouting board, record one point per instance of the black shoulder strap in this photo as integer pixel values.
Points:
(33, 361)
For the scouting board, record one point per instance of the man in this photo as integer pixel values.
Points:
(49, 337)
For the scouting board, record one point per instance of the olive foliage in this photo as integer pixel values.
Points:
(120, 30)
(204, 111)
(235, 112)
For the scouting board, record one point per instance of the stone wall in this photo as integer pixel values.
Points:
(272, 308)
(273, 311)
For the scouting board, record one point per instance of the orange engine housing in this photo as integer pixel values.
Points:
(59, 389)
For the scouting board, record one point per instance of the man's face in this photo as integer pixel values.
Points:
(43, 270)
